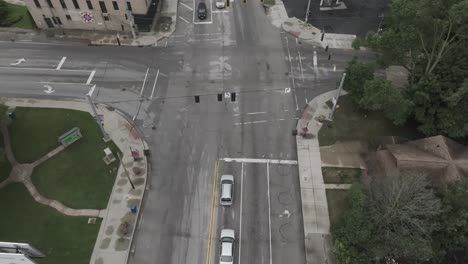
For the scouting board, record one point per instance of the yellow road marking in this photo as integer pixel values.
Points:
(213, 203)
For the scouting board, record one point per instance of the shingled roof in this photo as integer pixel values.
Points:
(440, 159)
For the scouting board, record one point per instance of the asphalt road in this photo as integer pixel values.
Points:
(236, 51)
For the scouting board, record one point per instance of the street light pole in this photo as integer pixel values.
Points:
(335, 99)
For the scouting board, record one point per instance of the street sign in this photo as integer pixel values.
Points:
(227, 95)
(287, 90)
(71, 136)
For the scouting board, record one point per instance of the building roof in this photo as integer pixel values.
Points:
(440, 159)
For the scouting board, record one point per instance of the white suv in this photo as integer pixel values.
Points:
(226, 189)
(227, 247)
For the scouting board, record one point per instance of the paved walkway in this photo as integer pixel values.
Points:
(348, 154)
(115, 235)
(161, 31)
(22, 173)
(318, 242)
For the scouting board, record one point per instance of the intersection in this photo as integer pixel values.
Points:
(273, 76)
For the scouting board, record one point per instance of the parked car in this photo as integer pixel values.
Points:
(202, 10)
(227, 239)
(226, 189)
(220, 3)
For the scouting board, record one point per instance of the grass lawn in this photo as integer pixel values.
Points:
(352, 123)
(337, 203)
(341, 175)
(5, 166)
(21, 15)
(63, 239)
(78, 176)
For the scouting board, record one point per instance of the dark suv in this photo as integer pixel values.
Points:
(202, 11)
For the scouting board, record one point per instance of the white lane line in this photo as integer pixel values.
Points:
(220, 11)
(315, 58)
(290, 64)
(269, 209)
(64, 83)
(272, 161)
(204, 22)
(40, 69)
(281, 119)
(256, 113)
(154, 85)
(295, 99)
(253, 122)
(90, 93)
(90, 78)
(211, 11)
(59, 66)
(240, 214)
(186, 6)
(306, 101)
(300, 61)
(185, 20)
(144, 81)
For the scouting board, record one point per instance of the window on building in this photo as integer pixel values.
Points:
(89, 4)
(126, 17)
(62, 3)
(122, 26)
(106, 18)
(59, 21)
(55, 20)
(68, 17)
(50, 3)
(103, 6)
(116, 6)
(75, 4)
(129, 6)
(36, 2)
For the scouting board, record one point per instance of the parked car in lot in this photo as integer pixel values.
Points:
(226, 189)
(227, 239)
(220, 3)
(202, 10)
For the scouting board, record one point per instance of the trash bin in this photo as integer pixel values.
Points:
(133, 209)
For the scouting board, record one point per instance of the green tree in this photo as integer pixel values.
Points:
(452, 235)
(357, 74)
(429, 38)
(3, 14)
(381, 95)
(353, 233)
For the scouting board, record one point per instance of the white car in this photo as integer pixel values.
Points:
(220, 3)
(226, 189)
(227, 247)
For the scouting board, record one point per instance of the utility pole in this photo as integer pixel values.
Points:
(335, 99)
(106, 137)
(307, 12)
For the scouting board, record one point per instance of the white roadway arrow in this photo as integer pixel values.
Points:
(18, 62)
(49, 89)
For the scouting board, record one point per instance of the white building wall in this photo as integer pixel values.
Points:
(117, 18)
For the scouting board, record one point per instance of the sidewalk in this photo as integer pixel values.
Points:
(167, 13)
(111, 247)
(318, 242)
(307, 32)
